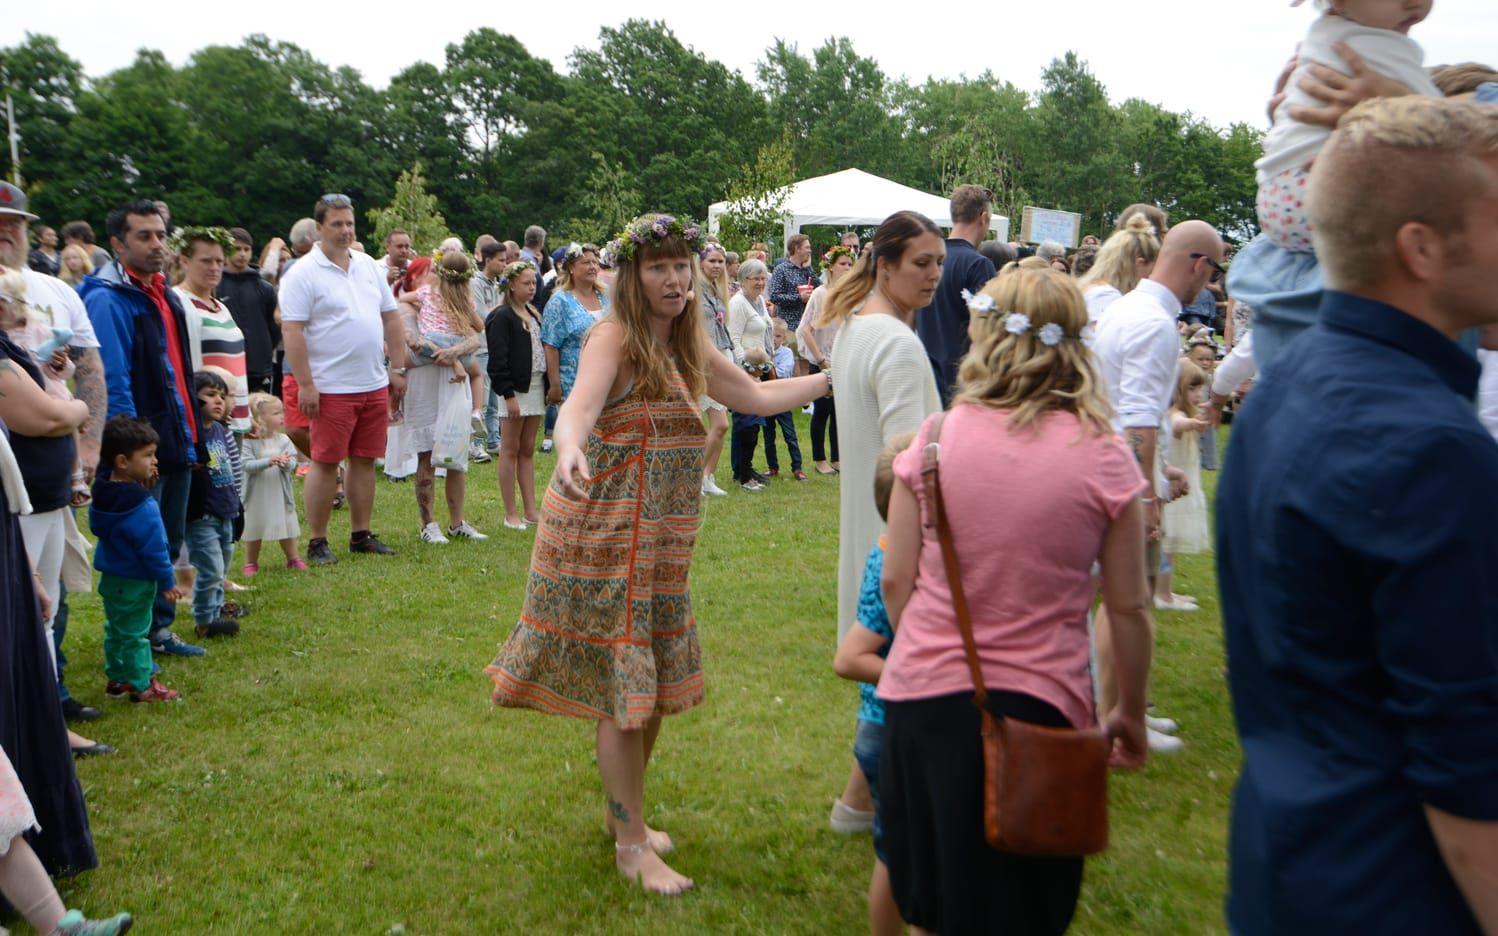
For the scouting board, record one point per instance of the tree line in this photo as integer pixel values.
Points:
(252, 134)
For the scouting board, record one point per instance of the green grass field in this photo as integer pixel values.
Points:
(338, 767)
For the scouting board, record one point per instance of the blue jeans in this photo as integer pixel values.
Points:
(171, 492)
(59, 630)
(210, 545)
(491, 405)
(868, 745)
(787, 423)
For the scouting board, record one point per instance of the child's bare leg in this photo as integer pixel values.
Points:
(289, 548)
(252, 552)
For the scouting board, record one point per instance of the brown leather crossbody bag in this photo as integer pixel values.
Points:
(1045, 790)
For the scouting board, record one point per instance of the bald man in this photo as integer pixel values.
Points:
(1355, 543)
(1137, 351)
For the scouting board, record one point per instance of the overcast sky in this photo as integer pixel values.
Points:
(1215, 58)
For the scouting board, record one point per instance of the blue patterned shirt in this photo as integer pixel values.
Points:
(564, 325)
(873, 617)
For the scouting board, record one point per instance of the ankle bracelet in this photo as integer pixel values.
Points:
(639, 848)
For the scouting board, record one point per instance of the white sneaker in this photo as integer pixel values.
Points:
(432, 533)
(546, 445)
(752, 486)
(477, 455)
(1162, 743)
(710, 487)
(1162, 725)
(808, 409)
(845, 820)
(465, 530)
(1176, 603)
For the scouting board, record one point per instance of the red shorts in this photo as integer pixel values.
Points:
(289, 402)
(350, 425)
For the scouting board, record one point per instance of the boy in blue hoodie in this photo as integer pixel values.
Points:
(132, 557)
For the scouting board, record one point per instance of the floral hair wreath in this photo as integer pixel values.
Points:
(183, 236)
(623, 247)
(452, 276)
(1018, 323)
(514, 270)
(830, 257)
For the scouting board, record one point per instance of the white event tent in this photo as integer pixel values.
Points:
(856, 198)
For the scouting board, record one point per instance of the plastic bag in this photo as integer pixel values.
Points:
(450, 447)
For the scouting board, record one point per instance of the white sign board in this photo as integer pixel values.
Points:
(1045, 224)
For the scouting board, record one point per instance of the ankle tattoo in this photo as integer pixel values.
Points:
(617, 810)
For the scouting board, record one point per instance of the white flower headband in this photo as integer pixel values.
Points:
(1018, 323)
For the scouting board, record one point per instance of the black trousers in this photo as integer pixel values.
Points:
(823, 425)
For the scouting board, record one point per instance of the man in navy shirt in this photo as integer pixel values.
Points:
(943, 324)
(1356, 553)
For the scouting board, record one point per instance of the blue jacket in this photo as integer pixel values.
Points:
(138, 371)
(132, 536)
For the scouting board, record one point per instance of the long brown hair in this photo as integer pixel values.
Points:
(1020, 372)
(887, 246)
(688, 343)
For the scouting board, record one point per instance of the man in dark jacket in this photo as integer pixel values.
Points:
(142, 333)
(252, 303)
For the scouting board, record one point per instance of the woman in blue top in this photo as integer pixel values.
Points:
(576, 305)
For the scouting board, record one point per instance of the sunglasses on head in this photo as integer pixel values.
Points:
(334, 198)
(1218, 270)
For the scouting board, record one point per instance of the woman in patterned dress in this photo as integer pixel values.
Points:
(607, 631)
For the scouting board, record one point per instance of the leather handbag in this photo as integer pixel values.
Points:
(1045, 790)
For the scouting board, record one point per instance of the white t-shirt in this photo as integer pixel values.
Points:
(1291, 144)
(51, 296)
(343, 312)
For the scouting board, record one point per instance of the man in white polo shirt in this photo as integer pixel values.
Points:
(339, 321)
(1138, 351)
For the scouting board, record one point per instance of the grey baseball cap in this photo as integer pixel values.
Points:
(13, 202)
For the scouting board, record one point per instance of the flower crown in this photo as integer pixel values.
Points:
(830, 257)
(622, 248)
(451, 276)
(512, 271)
(1018, 323)
(183, 236)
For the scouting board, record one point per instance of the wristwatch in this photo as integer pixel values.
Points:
(399, 371)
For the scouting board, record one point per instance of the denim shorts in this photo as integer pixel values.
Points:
(868, 745)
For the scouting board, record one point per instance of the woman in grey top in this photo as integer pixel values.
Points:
(713, 285)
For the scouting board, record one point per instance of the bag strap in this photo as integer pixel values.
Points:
(936, 507)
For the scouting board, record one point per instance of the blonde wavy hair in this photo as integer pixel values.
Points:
(1117, 262)
(720, 285)
(686, 349)
(1019, 372)
(259, 403)
(1190, 379)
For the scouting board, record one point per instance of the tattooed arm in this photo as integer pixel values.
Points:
(1142, 442)
(89, 386)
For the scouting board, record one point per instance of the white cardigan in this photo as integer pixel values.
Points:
(884, 387)
(749, 325)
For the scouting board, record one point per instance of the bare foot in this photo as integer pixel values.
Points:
(77, 740)
(641, 864)
(659, 841)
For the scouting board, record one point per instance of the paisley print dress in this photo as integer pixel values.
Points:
(607, 628)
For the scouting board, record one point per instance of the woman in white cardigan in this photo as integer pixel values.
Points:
(749, 328)
(884, 387)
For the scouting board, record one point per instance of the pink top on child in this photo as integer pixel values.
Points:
(430, 317)
(1028, 511)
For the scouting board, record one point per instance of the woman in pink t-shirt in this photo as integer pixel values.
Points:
(1038, 488)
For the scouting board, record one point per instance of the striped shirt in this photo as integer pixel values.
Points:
(215, 341)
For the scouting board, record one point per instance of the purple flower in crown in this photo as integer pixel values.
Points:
(637, 237)
(690, 233)
(662, 227)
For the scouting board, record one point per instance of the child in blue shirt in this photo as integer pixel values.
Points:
(131, 556)
(785, 366)
(212, 508)
(860, 657)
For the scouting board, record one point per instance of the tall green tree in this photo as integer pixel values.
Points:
(757, 197)
(414, 210)
(44, 83)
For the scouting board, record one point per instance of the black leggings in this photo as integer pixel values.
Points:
(823, 423)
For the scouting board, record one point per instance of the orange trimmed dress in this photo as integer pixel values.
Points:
(607, 629)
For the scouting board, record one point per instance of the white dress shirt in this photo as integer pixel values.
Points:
(1138, 352)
